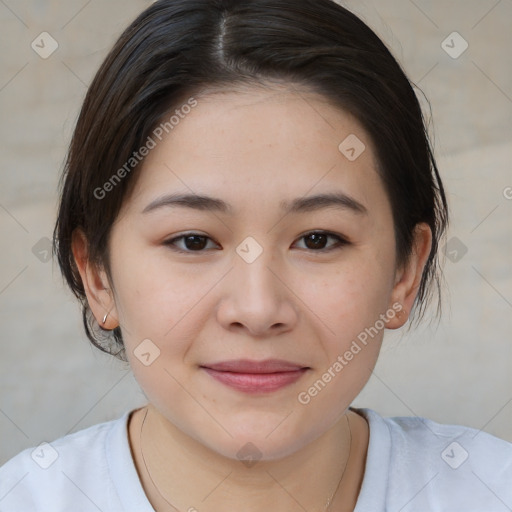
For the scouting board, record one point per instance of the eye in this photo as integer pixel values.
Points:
(315, 241)
(193, 242)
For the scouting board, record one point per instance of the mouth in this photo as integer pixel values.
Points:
(256, 376)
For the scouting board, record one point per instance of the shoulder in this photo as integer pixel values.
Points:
(454, 445)
(72, 469)
(438, 465)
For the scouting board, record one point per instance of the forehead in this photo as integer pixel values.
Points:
(260, 146)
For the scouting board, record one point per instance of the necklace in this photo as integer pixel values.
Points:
(329, 501)
(326, 506)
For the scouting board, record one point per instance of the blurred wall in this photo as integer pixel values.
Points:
(53, 382)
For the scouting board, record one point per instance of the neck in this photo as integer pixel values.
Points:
(179, 473)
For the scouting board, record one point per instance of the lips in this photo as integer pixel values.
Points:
(248, 366)
(256, 376)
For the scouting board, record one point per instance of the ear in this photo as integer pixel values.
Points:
(95, 281)
(408, 277)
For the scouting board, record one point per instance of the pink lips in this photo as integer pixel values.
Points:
(256, 376)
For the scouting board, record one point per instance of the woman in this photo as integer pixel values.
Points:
(250, 199)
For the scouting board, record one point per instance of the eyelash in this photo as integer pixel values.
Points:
(340, 242)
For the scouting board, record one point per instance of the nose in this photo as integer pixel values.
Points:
(257, 298)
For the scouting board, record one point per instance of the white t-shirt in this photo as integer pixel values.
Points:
(413, 465)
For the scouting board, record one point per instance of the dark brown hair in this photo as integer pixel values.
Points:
(178, 48)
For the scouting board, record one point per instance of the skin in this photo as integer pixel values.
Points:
(253, 148)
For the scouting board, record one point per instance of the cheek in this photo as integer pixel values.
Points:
(153, 299)
(352, 296)
(349, 304)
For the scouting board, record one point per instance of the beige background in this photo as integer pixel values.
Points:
(52, 382)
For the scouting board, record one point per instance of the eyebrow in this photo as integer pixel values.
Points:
(338, 200)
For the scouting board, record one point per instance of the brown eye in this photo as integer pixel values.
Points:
(317, 241)
(194, 242)
(191, 242)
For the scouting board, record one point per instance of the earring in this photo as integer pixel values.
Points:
(105, 318)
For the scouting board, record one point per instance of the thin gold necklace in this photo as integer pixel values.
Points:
(326, 506)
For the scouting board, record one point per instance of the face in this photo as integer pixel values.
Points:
(256, 278)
